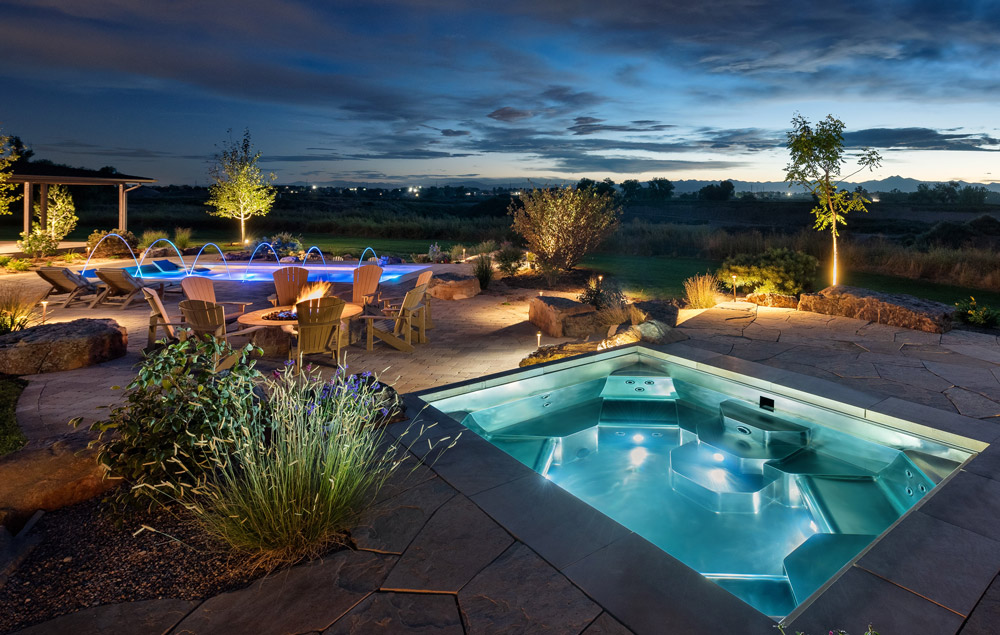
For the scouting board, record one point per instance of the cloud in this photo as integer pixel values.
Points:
(509, 114)
(919, 139)
(448, 132)
(591, 125)
(567, 96)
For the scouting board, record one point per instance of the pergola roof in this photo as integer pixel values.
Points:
(62, 175)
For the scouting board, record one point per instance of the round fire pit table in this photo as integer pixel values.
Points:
(275, 341)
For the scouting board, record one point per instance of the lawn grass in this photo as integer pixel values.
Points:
(402, 247)
(11, 437)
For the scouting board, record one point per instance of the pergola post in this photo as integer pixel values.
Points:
(43, 206)
(27, 207)
(122, 208)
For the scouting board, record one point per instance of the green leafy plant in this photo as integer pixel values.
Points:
(482, 268)
(971, 312)
(182, 237)
(7, 158)
(19, 264)
(509, 259)
(458, 252)
(18, 307)
(176, 404)
(240, 189)
(4, 259)
(700, 290)
(775, 271)
(72, 256)
(284, 243)
(434, 253)
(562, 225)
(485, 247)
(38, 243)
(602, 292)
(60, 213)
(150, 236)
(288, 478)
(112, 246)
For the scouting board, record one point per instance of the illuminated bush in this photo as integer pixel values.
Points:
(774, 271)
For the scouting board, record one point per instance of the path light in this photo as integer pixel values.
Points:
(45, 306)
(734, 288)
(539, 294)
(463, 253)
(539, 337)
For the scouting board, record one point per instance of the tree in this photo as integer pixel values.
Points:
(8, 156)
(721, 192)
(661, 188)
(60, 214)
(562, 225)
(631, 189)
(240, 189)
(817, 157)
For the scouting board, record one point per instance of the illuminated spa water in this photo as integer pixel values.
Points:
(768, 503)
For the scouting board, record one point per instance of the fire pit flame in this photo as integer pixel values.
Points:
(313, 291)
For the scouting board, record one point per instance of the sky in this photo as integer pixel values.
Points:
(445, 91)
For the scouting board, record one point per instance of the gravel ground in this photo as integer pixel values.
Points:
(87, 558)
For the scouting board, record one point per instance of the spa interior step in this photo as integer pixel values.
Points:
(818, 558)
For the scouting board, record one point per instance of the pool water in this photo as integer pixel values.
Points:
(262, 273)
(767, 501)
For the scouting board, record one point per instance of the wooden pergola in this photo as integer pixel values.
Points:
(44, 175)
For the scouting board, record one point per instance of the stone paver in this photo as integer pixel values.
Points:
(419, 613)
(132, 618)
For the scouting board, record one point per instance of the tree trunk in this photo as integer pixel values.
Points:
(835, 255)
(243, 237)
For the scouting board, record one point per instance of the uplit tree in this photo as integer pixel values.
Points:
(817, 157)
(240, 189)
(60, 213)
(8, 156)
(562, 225)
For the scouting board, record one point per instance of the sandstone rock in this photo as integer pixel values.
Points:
(650, 332)
(582, 325)
(893, 309)
(61, 346)
(559, 351)
(661, 310)
(50, 477)
(630, 336)
(778, 300)
(549, 313)
(453, 286)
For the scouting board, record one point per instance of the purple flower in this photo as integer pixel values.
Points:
(289, 362)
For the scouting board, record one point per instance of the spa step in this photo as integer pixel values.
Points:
(760, 426)
(639, 387)
(720, 482)
(638, 412)
(848, 505)
(817, 559)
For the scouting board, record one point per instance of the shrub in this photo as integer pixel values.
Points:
(602, 292)
(293, 475)
(19, 265)
(284, 243)
(700, 290)
(482, 267)
(509, 259)
(150, 236)
(458, 252)
(434, 253)
(947, 234)
(562, 225)
(72, 256)
(112, 246)
(970, 312)
(182, 237)
(774, 271)
(4, 259)
(485, 247)
(38, 243)
(985, 225)
(615, 315)
(17, 307)
(175, 405)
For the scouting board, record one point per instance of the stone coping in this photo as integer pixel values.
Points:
(890, 584)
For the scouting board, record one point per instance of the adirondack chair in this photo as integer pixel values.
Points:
(198, 288)
(159, 318)
(365, 289)
(210, 318)
(409, 317)
(66, 281)
(288, 282)
(319, 328)
(392, 303)
(119, 283)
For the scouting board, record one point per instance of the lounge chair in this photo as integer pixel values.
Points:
(319, 328)
(66, 281)
(196, 288)
(288, 283)
(119, 283)
(210, 318)
(159, 318)
(409, 317)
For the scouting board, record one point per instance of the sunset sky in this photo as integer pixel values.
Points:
(440, 90)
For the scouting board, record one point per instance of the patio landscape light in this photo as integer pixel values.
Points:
(734, 288)
(539, 337)
(45, 306)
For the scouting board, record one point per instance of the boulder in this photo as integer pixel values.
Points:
(558, 351)
(893, 309)
(453, 286)
(57, 346)
(582, 325)
(49, 477)
(549, 313)
(650, 332)
(778, 300)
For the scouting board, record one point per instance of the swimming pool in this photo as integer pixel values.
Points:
(167, 270)
(767, 491)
